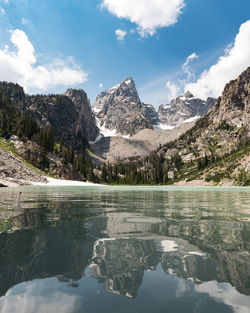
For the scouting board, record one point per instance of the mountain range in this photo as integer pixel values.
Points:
(66, 137)
(119, 110)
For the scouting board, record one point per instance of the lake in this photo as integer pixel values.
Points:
(124, 249)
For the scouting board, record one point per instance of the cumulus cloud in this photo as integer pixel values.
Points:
(21, 66)
(229, 66)
(173, 90)
(33, 297)
(120, 34)
(148, 15)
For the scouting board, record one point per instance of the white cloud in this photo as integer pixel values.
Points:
(225, 293)
(25, 21)
(236, 59)
(120, 34)
(173, 90)
(186, 66)
(101, 85)
(2, 10)
(21, 66)
(33, 297)
(148, 15)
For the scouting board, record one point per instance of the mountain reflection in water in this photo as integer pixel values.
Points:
(137, 244)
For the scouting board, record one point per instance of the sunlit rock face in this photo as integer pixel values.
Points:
(184, 109)
(234, 105)
(119, 109)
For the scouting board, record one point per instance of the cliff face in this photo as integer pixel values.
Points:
(120, 109)
(234, 105)
(70, 115)
(86, 119)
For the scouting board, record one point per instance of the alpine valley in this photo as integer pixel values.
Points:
(121, 140)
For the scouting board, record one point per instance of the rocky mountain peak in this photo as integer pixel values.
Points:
(188, 95)
(120, 109)
(129, 83)
(185, 108)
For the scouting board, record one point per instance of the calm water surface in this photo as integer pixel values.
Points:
(124, 249)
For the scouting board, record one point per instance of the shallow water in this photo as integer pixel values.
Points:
(124, 249)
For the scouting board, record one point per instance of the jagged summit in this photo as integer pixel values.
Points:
(119, 110)
(188, 95)
(183, 109)
(127, 83)
(126, 88)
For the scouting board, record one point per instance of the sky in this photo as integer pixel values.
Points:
(166, 46)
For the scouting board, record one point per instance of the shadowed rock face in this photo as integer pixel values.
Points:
(151, 113)
(86, 120)
(183, 108)
(120, 109)
(70, 114)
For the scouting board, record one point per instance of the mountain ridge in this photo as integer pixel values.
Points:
(215, 149)
(122, 103)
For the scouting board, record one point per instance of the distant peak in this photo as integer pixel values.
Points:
(128, 80)
(188, 94)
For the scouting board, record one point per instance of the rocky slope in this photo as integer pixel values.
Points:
(141, 144)
(14, 172)
(120, 109)
(184, 108)
(20, 163)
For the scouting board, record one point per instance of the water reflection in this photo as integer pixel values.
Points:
(196, 243)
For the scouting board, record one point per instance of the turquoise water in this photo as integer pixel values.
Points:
(124, 249)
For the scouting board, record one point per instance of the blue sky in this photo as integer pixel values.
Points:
(75, 42)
